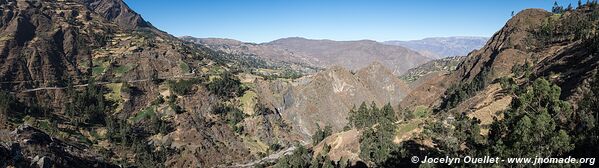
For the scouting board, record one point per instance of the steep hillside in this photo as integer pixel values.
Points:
(441, 47)
(352, 54)
(94, 76)
(539, 68)
(326, 97)
(259, 59)
(504, 50)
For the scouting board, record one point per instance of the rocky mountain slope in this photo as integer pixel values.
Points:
(326, 97)
(257, 58)
(94, 75)
(505, 49)
(491, 102)
(352, 55)
(89, 83)
(441, 47)
(497, 88)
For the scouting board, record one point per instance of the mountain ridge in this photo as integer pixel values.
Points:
(441, 47)
(323, 53)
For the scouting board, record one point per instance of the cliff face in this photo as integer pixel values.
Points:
(326, 97)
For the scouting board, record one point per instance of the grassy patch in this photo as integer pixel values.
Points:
(184, 67)
(405, 128)
(98, 70)
(45, 125)
(146, 113)
(99, 66)
(121, 70)
(248, 102)
(256, 146)
(115, 95)
(421, 111)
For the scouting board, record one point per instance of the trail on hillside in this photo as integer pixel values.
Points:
(186, 76)
(269, 158)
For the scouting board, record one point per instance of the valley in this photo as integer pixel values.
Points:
(91, 83)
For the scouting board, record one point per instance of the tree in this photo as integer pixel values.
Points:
(557, 8)
(321, 134)
(388, 113)
(88, 106)
(586, 119)
(376, 141)
(226, 86)
(358, 118)
(7, 103)
(534, 125)
(300, 158)
(569, 8)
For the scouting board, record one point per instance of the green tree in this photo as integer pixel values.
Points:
(376, 141)
(300, 158)
(586, 118)
(7, 102)
(358, 118)
(557, 8)
(88, 106)
(226, 86)
(321, 134)
(534, 124)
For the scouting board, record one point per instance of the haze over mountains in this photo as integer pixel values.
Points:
(441, 47)
(352, 55)
(398, 56)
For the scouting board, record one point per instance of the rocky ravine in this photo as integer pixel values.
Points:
(326, 97)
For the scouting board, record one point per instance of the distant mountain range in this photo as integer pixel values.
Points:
(90, 83)
(441, 47)
(352, 55)
(399, 56)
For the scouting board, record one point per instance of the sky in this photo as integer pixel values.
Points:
(381, 20)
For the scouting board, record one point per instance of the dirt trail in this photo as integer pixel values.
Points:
(269, 158)
(103, 83)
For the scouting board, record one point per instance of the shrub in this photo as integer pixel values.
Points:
(226, 86)
(183, 87)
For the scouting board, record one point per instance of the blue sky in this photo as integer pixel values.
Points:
(266, 20)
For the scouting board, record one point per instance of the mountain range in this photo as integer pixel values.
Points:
(441, 47)
(90, 83)
(352, 55)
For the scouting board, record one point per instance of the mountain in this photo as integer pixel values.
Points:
(326, 97)
(441, 47)
(90, 83)
(264, 56)
(536, 77)
(118, 12)
(538, 56)
(352, 55)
